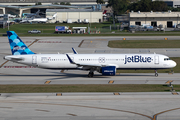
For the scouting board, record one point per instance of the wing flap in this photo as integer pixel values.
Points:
(89, 65)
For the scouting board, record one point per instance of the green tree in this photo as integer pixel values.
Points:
(62, 3)
(55, 3)
(174, 9)
(159, 6)
(100, 1)
(148, 5)
(133, 6)
(118, 6)
(38, 3)
(144, 5)
(68, 3)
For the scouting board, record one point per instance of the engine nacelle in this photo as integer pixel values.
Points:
(109, 70)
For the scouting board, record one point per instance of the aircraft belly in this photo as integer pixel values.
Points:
(136, 65)
(56, 65)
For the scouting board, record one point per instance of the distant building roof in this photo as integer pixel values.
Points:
(43, 6)
(71, 10)
(45, 1)
(154, 14)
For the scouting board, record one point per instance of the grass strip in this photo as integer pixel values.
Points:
(86, 88)
(49, 28)
(21, 34)
(144, 44)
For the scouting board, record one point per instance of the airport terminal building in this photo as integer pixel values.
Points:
(167, 19)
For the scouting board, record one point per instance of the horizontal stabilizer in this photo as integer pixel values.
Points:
(13, 58)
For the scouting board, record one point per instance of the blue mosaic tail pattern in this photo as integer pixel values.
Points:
(17, 45)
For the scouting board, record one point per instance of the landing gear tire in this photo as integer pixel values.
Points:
(91, 74)
(156, 74)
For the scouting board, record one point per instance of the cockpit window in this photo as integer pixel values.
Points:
(166, 59)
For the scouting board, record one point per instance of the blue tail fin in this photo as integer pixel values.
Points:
(17, 45)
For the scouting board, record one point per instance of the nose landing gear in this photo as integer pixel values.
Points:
(156, 73)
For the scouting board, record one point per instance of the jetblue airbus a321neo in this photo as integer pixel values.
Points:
(107, 64)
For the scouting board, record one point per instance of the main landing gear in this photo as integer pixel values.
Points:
(156, 73)
(91, 74)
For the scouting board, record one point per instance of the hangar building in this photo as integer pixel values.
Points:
(20, 7)
(75, 14)
(45, 2)
(167, 19)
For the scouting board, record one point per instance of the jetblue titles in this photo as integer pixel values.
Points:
(19, 48)
(137, 59)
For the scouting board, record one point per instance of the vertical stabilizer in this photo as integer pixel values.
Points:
(17, 45)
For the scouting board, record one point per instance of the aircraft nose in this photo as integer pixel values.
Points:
(173, 64)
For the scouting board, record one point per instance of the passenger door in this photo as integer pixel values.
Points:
(34, 59)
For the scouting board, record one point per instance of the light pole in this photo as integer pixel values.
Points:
(8, 25)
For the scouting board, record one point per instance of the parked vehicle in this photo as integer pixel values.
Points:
(69, 21)
(79, 21)
(34, 31)
(160, 28)
(178, 26)
(62, 29)
(86, 21)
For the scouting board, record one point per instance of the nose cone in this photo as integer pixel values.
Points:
(173, 64)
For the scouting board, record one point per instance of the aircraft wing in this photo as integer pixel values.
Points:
(81, 64)
(89, 65)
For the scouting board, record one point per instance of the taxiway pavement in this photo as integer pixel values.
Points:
(40, 76)
(126, 106)
(85, 106)
(12, 73)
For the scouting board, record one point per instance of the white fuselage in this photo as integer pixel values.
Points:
(121, 61)
(38, 20)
